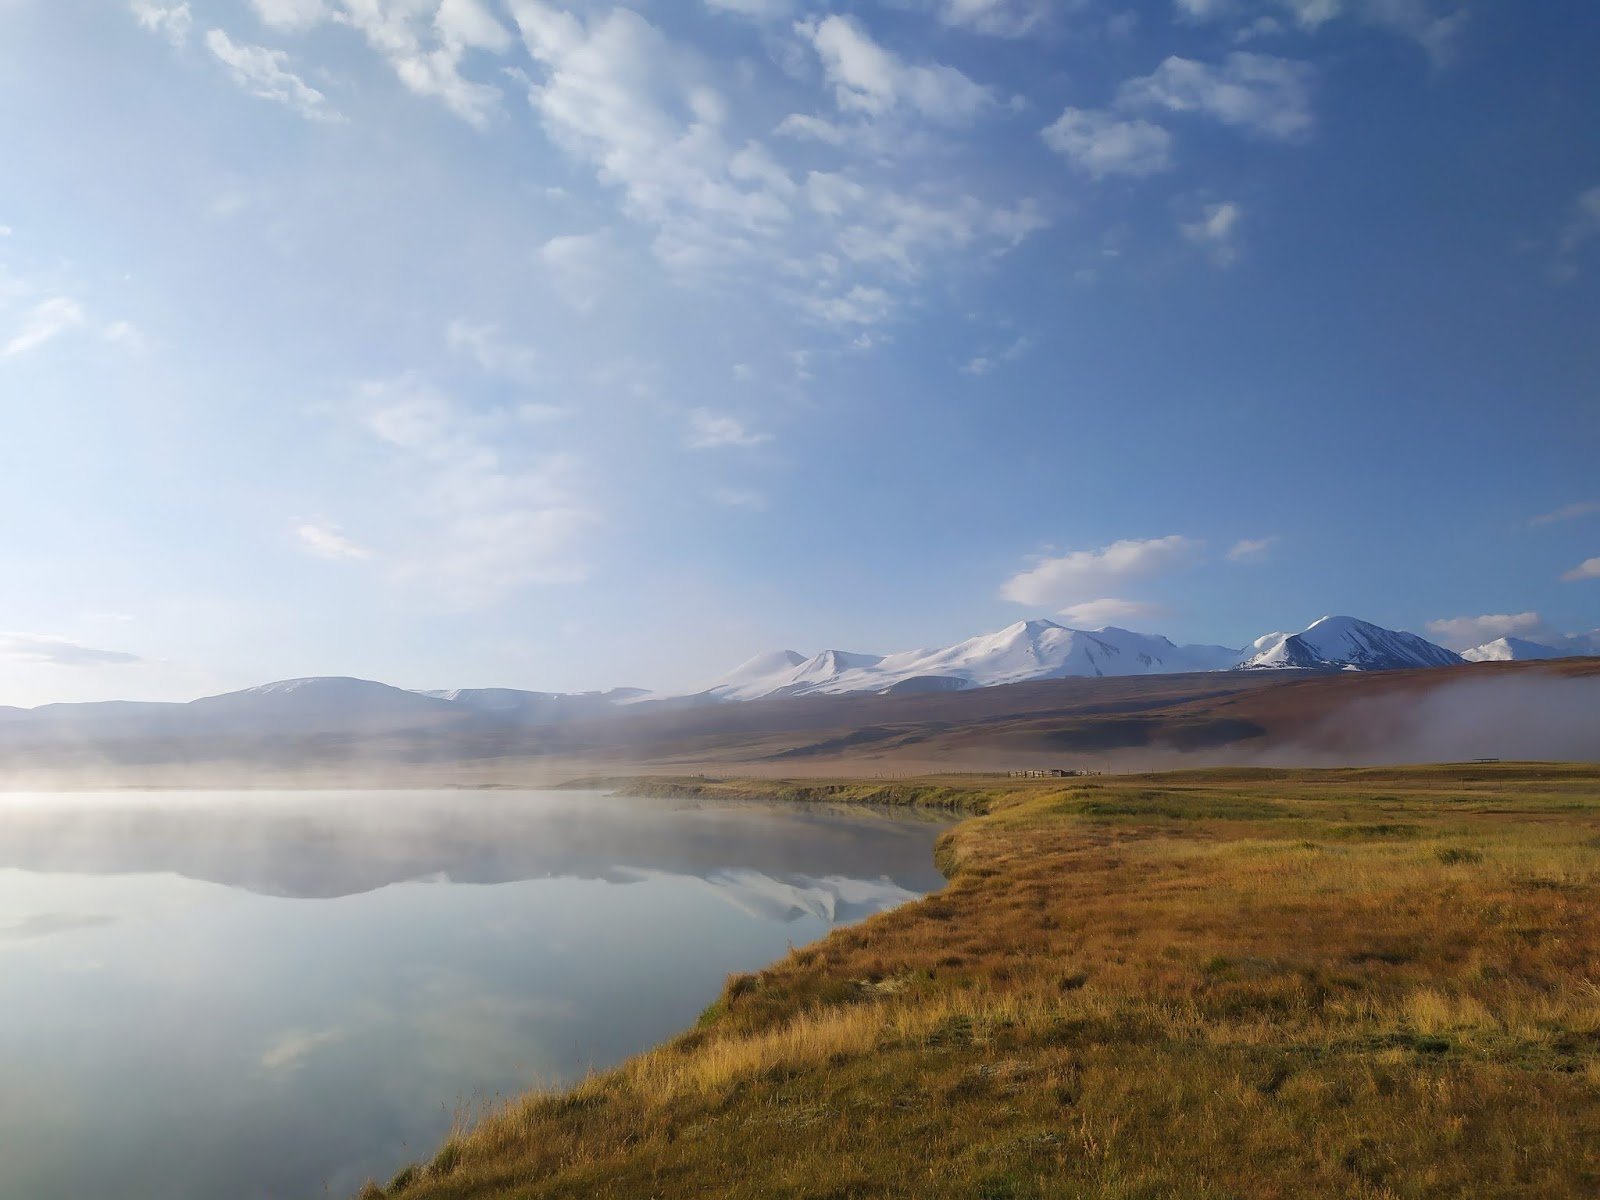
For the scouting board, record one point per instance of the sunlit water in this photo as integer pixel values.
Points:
(280, 995)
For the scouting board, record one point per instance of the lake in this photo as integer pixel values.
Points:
(279, 995)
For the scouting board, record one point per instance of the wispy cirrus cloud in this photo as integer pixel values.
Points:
(487, 517)
(712, 431)
(323, 539)
(1567, 512)
(265, 74)
(60, 652)
(43, 323)
(1252, 550)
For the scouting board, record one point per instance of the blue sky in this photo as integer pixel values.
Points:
(571, 345)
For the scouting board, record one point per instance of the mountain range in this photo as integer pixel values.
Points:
(1027, 651)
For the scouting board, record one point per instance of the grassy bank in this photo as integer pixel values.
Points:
(1378, 983)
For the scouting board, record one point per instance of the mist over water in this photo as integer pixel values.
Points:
(278, 995)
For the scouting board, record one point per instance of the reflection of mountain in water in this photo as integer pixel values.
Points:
(830, 898)
(770, 860)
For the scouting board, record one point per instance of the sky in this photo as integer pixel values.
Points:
(579, 344)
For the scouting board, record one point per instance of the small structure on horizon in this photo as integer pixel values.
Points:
(1049, 773)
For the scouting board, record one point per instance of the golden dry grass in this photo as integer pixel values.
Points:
(1376, 984)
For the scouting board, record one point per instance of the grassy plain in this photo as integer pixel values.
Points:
(1376, 983)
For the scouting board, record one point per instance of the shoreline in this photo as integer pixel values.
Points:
(1302, 954)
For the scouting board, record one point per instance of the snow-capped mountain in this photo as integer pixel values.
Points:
(1514, 649)
(1345, 643)
(1020, 652)
(538, 708)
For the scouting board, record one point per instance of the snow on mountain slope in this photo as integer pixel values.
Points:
(538, 708)
(1347, 644)
(1027, 650)
(1514, 649)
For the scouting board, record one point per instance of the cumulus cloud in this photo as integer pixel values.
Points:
(172, 21)
(1569, 512)
(712, 431)
(1588, 569)
(1463, 633)
(870, 79)
(59, 652)
(321, 539)
(1214, 232)
(1075, 577)
(47, 320)
(1097, 614)
(1259, 93)
(1101, 144)
(265, 73)
(1251, 550)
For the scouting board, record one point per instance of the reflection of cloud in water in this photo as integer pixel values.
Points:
(42, 925)
(829, 898)
(292, 1049)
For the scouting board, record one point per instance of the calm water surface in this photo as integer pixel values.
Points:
(280, 995)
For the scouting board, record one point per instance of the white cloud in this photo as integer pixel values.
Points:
(1588, 569)
(1214, 232)
(859, 306)
(47, 320)
(998, 18)
(291, 1050)
(1252, 550)
(1082, 574)
(127, 335)
(762, 10)
(618, 95)
(983, 364)
(1463, 633)
(1101, 144)
(488, 517)
(1258, 92)
(264, 73)
(649, 117)
(711, 431)
(59, 652)
(739, 498)
(1582, 226)
(427, 54)
(1570, 512)
(1436, 31)
(290, 15)
(171, 21)
(869, 79)
(324, 540)
(581, 267)
(484, 345)
(1097, 614)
